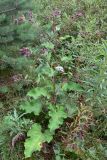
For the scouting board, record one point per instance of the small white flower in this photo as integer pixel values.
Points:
(59, 69)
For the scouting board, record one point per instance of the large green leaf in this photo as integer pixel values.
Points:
(38, 92)
(32, 106)
(48, 135)
(57, 117)
(45, 69)
(72, 86)
(48, 45)
(36, 139)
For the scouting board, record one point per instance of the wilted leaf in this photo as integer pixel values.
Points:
(71, 109)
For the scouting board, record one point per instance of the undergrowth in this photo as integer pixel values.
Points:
(53, 85)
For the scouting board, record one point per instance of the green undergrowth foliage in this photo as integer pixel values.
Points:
(53, 80)
(47, 97)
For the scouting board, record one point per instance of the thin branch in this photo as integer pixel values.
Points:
(9, 10)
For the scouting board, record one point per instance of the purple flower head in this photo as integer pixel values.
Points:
(25, 52)
(79, 14)
(56, 13)
(17, 77)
